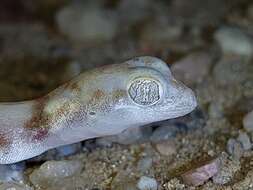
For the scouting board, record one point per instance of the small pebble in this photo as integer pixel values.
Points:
(166, 148)
(13, 172)
(144, 164)
(200, 174)
(234, 40)
(235, 148)
(244, 139)
(86, 23)
(147, 183)
(248, 122)
(52, 171)
(193, 68)
(228, 168)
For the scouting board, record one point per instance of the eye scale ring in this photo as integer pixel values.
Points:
(145, 91)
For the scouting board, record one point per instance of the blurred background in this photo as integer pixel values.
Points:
(45, 42)
(208, 46)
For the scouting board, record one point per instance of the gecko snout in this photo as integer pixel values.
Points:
(186, 98)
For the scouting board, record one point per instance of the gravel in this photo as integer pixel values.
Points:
(147, 183)
(228, 168)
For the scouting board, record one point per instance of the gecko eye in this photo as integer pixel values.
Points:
(145, 91)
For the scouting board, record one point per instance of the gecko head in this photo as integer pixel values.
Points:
(139, 92)
(153, 94)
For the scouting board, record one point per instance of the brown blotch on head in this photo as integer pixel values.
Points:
(98, 94)
(117, 94)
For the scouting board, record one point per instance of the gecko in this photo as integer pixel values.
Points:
(100, 102)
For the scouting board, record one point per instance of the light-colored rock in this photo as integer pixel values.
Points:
(86, 23)
(234, 40)
(235, 148)
(244, 139)
(203, 172)
(147, 183)
(193, 68)
(228, 168)
(53, 171)
(166, 148)
(13, 172)
(248, 122)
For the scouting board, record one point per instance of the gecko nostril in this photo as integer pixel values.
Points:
(92, 113)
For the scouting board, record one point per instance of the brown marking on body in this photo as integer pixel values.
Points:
(3, 140)
(37, 127)
(70, 115)
(97, 98)
(73, 86)
(98, 94)
(99, 101)
(40, 134)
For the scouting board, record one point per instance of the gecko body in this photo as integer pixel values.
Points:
(100, 102)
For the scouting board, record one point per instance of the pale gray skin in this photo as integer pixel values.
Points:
(97, 103)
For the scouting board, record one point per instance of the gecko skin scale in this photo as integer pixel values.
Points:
(100, 102)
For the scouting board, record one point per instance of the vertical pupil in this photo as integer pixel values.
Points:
(144, 91)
